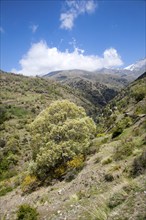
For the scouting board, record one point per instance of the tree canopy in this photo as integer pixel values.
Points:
(59, 133)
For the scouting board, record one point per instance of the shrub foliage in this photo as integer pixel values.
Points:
(59, 133)
(139, 164)
(26, 212)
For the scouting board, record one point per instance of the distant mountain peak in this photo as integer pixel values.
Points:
(139, 65)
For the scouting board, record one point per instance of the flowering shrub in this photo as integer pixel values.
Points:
(59, 134)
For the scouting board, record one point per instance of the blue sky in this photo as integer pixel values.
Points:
(42, 36)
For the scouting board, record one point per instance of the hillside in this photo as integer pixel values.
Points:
(32, 95)
(111, 182)
(22, 99)
(99, 88)
(111, 78)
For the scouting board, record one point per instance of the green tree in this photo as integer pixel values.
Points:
(59, 133)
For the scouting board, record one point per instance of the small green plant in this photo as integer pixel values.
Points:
(97, 159)
(5, 190)
(26, 212)
(97, 211)
(18, 111)
(139, 164)
(94, 146)
(123, 150)
(107, 160)
(116, 199)
(109, 177)
(115, 167)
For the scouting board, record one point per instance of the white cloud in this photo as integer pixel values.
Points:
(67, 20)
(2, 30)
(73, 9)
(34, 28)
(41, 59)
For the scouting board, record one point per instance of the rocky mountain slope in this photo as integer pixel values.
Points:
(111, 183)
(99, 89)
(139, 66)
(99, 86)
(32, 95)
(104, 76)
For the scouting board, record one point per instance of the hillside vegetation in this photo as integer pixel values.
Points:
(56, 163)
(98, 88)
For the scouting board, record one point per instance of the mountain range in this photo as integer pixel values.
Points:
(139, 66)
(101, 86)
(130, 72)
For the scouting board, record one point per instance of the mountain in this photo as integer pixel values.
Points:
(142, 76)
(109, 77)
(99, 88)
(32, 94)
(130, 101)
(139, 66)
(130, 72)
(112, 77)
(108, 184)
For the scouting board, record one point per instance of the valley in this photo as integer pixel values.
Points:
(109, 183)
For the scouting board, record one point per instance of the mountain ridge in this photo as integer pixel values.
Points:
(140, 65)
(133, 71)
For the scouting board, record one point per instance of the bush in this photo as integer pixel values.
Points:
(2, 143)
(29, 184)
(59, 134)
(123, 150)
(117, 198)
(108, 177)
(76, 162)
(121, 125)
(9, 157)
(139, 164)
(7, 165)
(5, 190)
(139, 96)
(106, 160)
(3, 114)
(26, 212)
(73, 167)
(138, 92)
(13, 145)
(117, 132)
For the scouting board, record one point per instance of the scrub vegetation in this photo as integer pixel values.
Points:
(62, 157)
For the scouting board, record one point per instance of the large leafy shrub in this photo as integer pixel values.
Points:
(59, 133)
